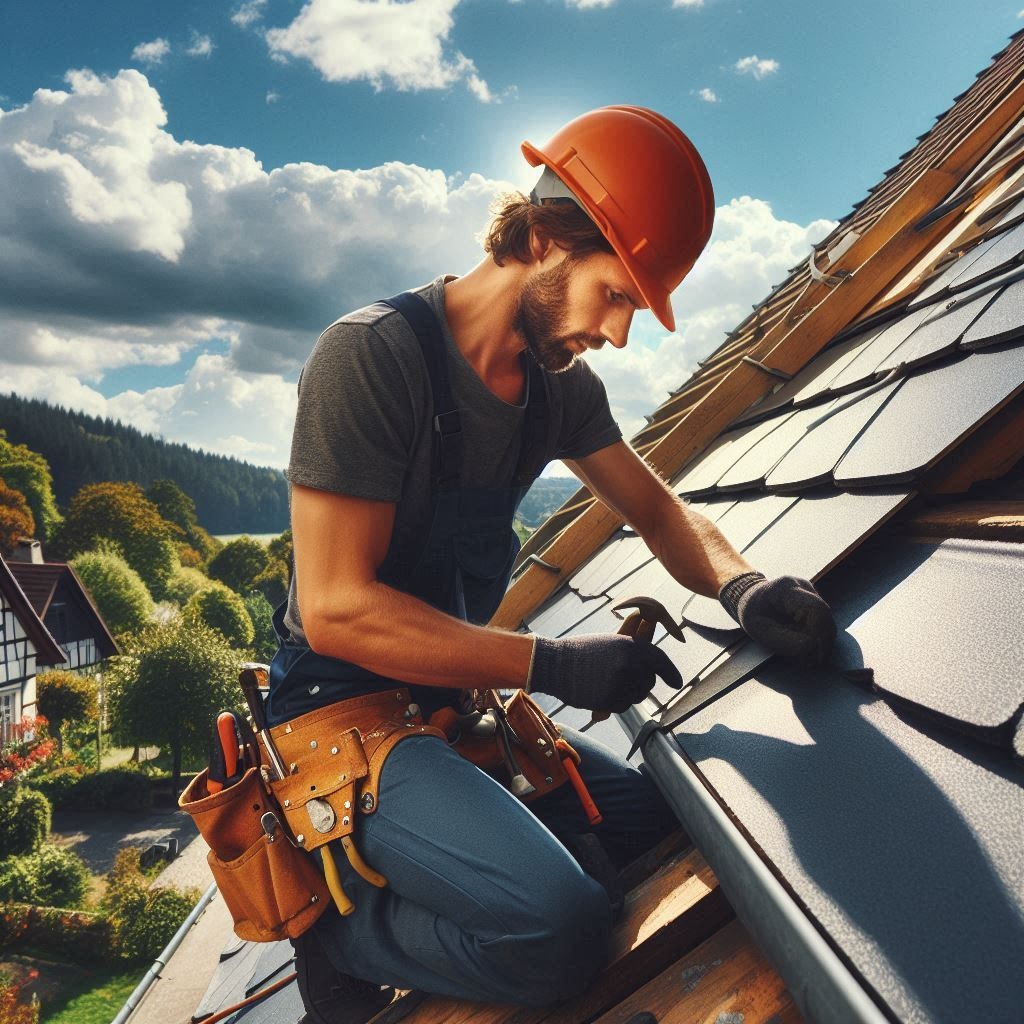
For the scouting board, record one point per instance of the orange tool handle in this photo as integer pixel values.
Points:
(594, 816)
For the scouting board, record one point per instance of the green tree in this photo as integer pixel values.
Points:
(281, 547)
(186, 582)
(25, 817)
(118, 590)
(50, 877)
(27, 471)
(16, 518)
(272, 583)
(120, 512)
(223, 610)
(239, 563)
(180, 510)
(63, 697)
(170, 683)
(264, 642)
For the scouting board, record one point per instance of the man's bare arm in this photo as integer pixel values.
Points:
(689, 545)
(347, 613)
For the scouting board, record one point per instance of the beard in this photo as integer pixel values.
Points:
(540, 319)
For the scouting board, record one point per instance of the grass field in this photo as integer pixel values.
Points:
(97, 1000)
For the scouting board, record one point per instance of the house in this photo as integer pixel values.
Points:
(25, 642)
(60, 599)
(864, 821)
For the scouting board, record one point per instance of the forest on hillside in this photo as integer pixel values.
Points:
(230, 496)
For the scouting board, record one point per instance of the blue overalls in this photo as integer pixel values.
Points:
(483, 902)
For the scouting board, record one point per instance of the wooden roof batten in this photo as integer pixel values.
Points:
(890, 241)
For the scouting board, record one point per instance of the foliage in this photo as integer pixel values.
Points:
(29, 472)
(50, 877)
(25, 817)
(281, 547)
(272, 583)
(121, 596)
(58, 785)
(113, 789)
(64, 697)
(12, 1009)
(221, 609)
(68, 934)
(185, 583)
(265, 640)
(168, 685)
(16, 519)
(231, 496)
(178, 508)
(123, 514)
(27, 747)
(239, 563)
(143, 919)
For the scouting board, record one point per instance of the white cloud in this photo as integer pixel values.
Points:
(687, 3)
(248, 13)
(201, 46)
(379, 41)
(584, 5)
(152, 52)
(708, 95)
(756, 66)
(750, 250)
(273, 97)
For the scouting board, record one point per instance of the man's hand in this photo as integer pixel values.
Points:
(599, 671)
(785, 614)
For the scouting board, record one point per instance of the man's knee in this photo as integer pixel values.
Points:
(562, 957)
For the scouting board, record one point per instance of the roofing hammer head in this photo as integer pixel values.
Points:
(653, 612)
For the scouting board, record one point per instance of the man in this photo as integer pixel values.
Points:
(406, 469)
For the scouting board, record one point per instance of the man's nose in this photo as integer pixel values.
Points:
(616, 328)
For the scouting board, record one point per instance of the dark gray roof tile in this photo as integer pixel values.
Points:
(1000, 251)
(929, 414)
(812, 460)
(562, 612)
(1002, 321)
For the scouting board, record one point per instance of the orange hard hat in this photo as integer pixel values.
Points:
(644, 185)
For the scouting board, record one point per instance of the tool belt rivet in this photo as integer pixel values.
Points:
(312, 744)
(314, 898)
(368, 802)
(345, 820)
(334, 750)
(300, 839)
(398, 696)
(293, 768)
(287, 803)
(548, 779)
(348, 805)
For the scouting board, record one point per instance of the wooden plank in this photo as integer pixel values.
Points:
(634, 873)
(674, 910)
(978, 520)
(725, 978)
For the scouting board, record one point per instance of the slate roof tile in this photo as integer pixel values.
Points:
(1001, 321)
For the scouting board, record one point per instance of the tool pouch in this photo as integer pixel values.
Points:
(272, 890)
(333, 759)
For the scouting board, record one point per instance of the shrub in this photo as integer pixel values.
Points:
(121, 596)
(223, 610)
(186, 583)
(58, 786)
(12, 1010)
(113, 789)
(239, 563)
(76, 935)
(65, 697)
(50, 877)
(142, 920)
(265, 640)
(25, 817)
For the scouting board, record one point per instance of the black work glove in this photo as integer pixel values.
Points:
(599, 671)
(785, 614)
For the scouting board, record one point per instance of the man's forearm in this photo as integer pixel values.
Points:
(401, 637)
(693, 549)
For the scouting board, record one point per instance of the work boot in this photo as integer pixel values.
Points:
(328, 995)
(592, 857)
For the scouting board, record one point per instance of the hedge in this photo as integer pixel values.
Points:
(113, 789)
(76, 934)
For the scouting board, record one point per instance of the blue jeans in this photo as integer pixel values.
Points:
(483, 901)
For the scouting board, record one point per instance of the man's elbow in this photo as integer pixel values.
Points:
(332, 627)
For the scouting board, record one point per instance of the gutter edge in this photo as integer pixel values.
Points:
(822, 986)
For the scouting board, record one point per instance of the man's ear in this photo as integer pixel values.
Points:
(541, 245)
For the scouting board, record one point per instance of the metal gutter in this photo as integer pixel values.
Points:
(819, 982)
(161, 961)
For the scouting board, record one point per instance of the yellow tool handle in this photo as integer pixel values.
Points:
(341, 901)
(356, 860)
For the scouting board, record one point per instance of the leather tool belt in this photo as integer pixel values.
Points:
(262, 829)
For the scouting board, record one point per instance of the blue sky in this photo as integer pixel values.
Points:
(198, 188)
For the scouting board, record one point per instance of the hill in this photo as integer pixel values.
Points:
(231, 496)
(546, 495)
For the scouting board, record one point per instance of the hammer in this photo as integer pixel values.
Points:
(640, 625)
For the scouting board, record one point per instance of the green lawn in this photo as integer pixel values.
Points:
(94, 1000)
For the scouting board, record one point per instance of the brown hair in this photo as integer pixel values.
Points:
(564, 223)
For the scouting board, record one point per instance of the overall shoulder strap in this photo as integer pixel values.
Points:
(447, 422)
(533, 447)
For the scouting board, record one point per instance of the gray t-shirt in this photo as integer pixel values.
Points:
(363, 426)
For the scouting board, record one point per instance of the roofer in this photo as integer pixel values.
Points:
(420, 426)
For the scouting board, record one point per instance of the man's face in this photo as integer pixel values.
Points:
(576, 305)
